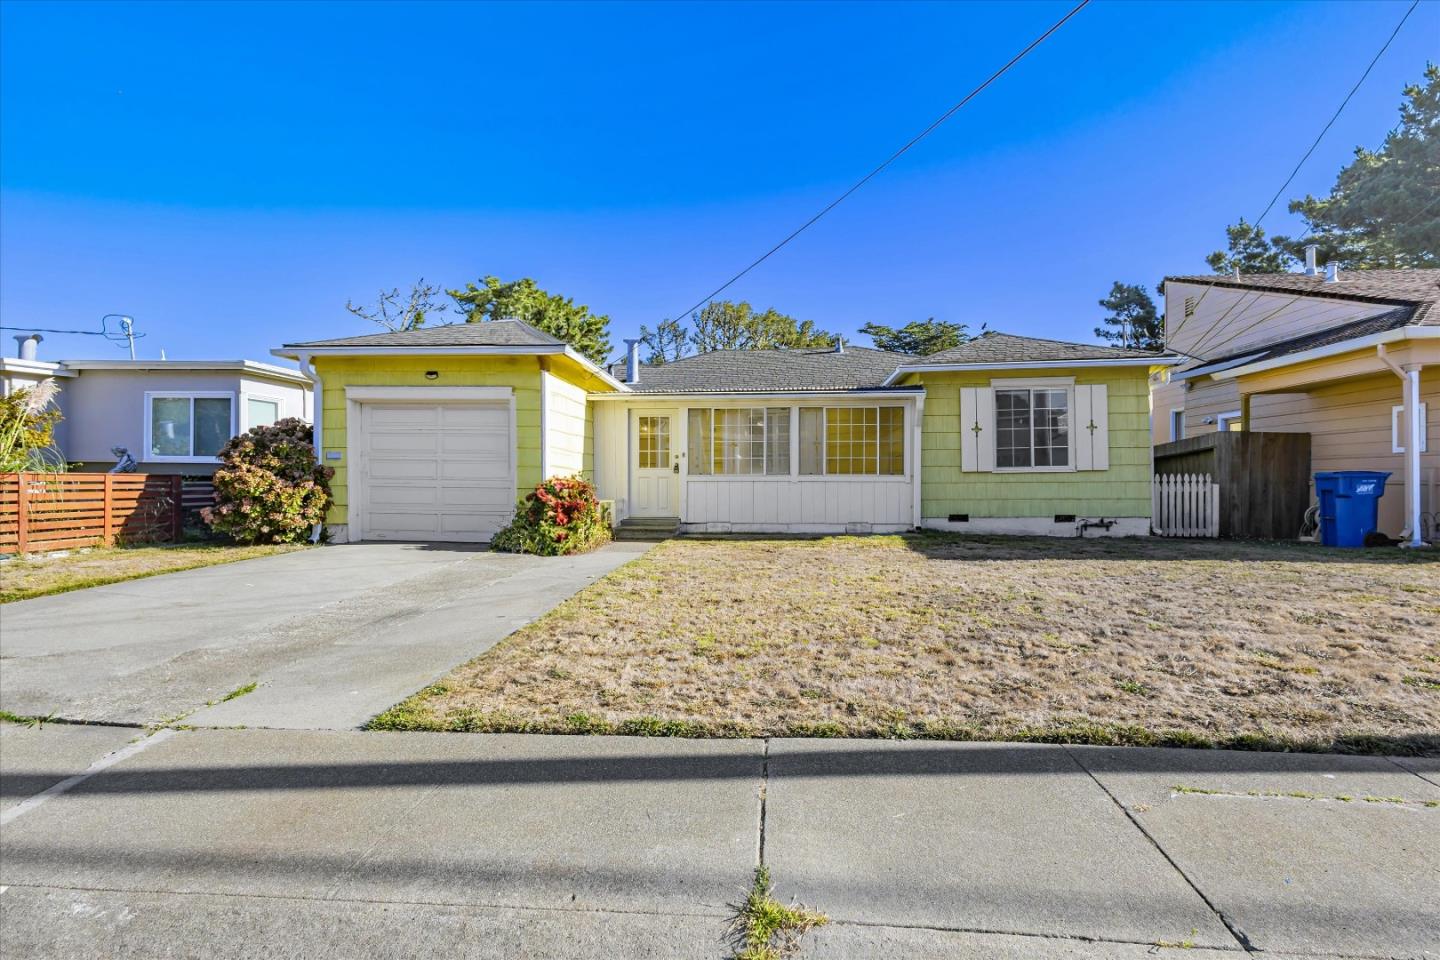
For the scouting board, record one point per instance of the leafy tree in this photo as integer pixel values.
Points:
(1249, 252)
(1384, 208)
(1132, 320)
(523, 300)
(397, 313)
(726, 325)
(668, 341)
(919, 337)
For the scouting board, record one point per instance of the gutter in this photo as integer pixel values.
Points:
(1159, 361)
(1334, 349)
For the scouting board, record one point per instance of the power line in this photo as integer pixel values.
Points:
(891, 159)
(1338, 111)
(1324, 130)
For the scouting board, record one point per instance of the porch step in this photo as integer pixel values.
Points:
(649, 529)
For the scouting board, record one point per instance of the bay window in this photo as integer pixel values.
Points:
(188, 426)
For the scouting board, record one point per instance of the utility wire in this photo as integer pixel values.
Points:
(891, 159)
(1326, 129)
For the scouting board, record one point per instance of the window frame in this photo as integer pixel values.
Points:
(1055, 384)
(794, 453)
(245, 399)
(1400, 429)
(1223, 421)
(1177, 424)
(192, 395)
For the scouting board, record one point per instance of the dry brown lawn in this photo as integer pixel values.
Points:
(22, 578)
(1121, 641)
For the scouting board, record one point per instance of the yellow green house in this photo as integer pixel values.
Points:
(434, 432)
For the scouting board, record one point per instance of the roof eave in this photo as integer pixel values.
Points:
(762, 394)
(1330, 350)
(1159, 361)
(251, 367)
(302, 352)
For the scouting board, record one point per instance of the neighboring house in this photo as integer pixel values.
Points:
(1351, 358)
(433, 433)
(172, 415)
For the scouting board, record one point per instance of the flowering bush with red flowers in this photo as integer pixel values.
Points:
(562, 515)
(269, 488)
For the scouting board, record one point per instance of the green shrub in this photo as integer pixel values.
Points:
(561, 516)
(269, 488)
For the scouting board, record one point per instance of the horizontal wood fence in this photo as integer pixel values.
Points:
(1264, 478)
(1186, 505)
(59, 511)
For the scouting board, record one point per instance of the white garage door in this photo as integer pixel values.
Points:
(436, 471)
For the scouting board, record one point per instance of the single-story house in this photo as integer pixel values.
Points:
(1350, 357)
(173, 416)
(434, 432)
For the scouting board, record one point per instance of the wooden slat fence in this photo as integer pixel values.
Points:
(59, 511)
(1186, 505)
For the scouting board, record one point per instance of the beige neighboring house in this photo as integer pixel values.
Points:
(1350, 357)
(173, 416)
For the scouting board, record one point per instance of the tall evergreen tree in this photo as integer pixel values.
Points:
(669, 341)
(919, 337)
(727, 325)
(1248, 251)
(561, 317)
(1131, 319)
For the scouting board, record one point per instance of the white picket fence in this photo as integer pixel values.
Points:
(1185, 505)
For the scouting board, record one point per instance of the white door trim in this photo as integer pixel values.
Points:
(632, 452)
(355, 398)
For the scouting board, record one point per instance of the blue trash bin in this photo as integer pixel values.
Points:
(1349, 500)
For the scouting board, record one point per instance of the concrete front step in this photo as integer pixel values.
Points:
(647, 529)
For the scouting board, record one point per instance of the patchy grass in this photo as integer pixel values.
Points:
(1145, 642)
(26, 577)
(763, 928)
(237, 692)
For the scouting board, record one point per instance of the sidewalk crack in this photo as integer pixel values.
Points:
(1239, 935)
(1416, 773)
(764, 789)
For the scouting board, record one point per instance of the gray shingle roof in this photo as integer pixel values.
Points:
(1380, 323)
(994, 347)
(1369, 286)
(742, 371)
(493, 333)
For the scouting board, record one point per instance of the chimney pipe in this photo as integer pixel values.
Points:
(632, 361)
(1310, 268)
(29, 344)
(1332, 272)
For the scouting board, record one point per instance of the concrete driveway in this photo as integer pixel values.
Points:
(332, 636)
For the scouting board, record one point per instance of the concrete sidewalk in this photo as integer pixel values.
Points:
(240, 843)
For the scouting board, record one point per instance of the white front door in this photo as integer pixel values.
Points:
(654, 465)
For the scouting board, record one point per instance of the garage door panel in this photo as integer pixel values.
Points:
(487, 496)
(477, 417)
(438, 471)
(487, 445)
(405, 444)
(391, 468)
(403, 417)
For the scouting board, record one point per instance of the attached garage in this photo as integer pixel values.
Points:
(432, 464)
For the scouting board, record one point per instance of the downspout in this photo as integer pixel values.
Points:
(1410, 378)
(317, 435)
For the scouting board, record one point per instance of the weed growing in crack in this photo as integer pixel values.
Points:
(763, 928)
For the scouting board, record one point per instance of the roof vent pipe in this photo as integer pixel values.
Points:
(1332, 272)
(839, 344)
(29, 345)
(1310, 250)
(632, 361)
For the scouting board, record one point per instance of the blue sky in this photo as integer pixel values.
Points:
(229, 174)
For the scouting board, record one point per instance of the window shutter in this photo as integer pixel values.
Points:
(985, 417)
(969, 440)
(1092, 427)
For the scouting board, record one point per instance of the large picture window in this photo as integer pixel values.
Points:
(740, 441)
(1032, 428)
(852, 441)
(188, 426)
